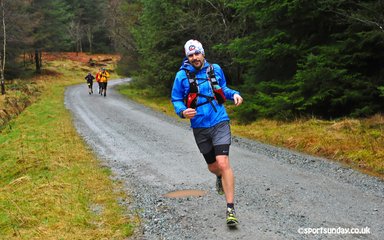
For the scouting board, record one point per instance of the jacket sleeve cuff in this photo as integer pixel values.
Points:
(181, 113)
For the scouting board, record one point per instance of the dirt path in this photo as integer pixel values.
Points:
(279, 193)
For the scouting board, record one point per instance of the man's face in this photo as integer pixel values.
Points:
(196, 59)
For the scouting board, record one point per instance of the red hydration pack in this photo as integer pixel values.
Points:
(191, 100)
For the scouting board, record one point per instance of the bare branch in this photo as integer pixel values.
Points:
(219, 12)
(354, 17)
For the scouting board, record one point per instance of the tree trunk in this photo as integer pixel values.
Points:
(4, 50)
(37, 61)
(89, 37)
(41, 58)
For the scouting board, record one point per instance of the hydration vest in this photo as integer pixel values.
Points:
(191, 100)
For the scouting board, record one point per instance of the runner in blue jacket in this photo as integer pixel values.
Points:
(206, 115)
(198, 93)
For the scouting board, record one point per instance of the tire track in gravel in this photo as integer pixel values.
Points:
(278, 192)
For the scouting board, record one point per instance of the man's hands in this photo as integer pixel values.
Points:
(237, 99)
(189, 113)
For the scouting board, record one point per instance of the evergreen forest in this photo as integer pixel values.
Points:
(289, 58)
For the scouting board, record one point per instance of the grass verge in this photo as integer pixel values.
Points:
(51, 184)
(358, 143)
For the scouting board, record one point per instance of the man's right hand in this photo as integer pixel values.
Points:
(189, 113)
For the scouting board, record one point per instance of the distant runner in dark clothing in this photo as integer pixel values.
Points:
(89, 79)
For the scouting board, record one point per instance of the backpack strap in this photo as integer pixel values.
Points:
(217, 90)
(193, 88)
(211, 75)
(191, 100)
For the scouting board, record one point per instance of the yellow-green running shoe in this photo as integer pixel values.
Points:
(231, 217)
(219, 186)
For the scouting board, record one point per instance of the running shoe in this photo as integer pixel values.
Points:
(231, 217)
(219, 186)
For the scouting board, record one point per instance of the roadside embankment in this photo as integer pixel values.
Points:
(52, 186)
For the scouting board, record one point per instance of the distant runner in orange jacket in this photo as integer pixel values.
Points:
(104, 76)
(98, 80)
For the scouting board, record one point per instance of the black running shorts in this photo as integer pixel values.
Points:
(103, 85)
(217, 137)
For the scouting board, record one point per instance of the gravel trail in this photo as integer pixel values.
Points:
(279, 193)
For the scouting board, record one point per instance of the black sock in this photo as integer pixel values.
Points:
(231, 205)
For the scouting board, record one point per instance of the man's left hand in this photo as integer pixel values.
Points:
(237, 99)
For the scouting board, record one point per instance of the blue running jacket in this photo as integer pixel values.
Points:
(206, 116)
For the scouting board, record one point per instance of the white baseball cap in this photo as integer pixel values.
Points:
(193, 46)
